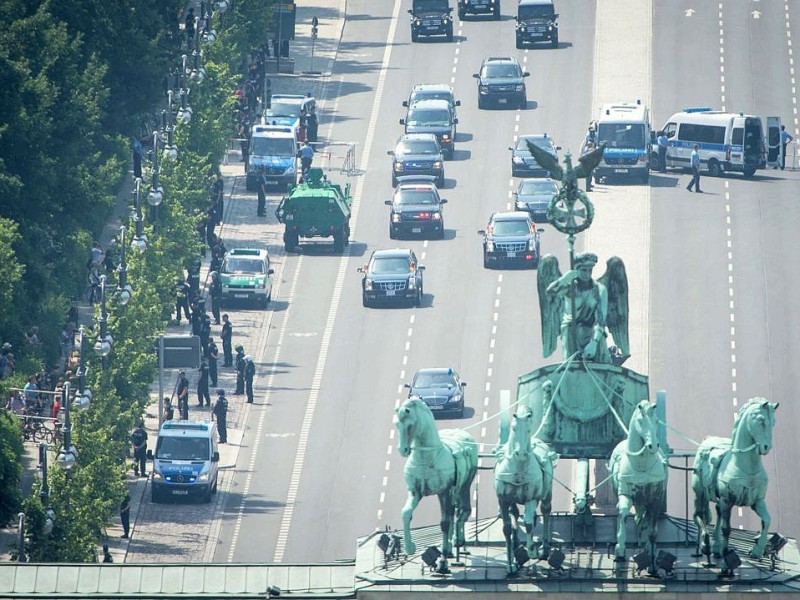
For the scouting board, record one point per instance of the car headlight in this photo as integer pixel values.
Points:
(454, 399)
(437, 165)
(203, 476)
(489, 246)
(289, 170)
(398, 166)
(517, 160)
(261, 283)
(157, 476)
(437, 216)
(520, 87)
(446, 20)
(417, 22)
(483, 88)
(522, 205)
(368, 285)
(532, 244)
(412, 281)
(445, 137)
(549, 28)
(395, 217)
(522, 29)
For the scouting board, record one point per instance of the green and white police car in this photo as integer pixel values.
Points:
(246, 276)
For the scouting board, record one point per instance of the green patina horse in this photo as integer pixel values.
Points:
(728, 471)
(639, 475)
(439, 462)
(523, 474)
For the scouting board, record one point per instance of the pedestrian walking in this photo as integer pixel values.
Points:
(249, 375)
(786, 139)
(662, 142)
(587, 148)
(139, 443)
(306, 156)
(239, 370)
(227, 339)
(182, 391)
(181, 300)
(213, 356)
(220, 413)
(202, 385)
(694, 161)
(125, 516)
(215, 291)
(107, 558)
(262, 192)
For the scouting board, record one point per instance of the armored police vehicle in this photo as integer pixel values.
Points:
(624, 128)
(316, 208)
(431, 18)
(186, 460)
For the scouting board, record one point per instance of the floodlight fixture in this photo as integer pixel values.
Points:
(521, 555)
(556, 559)
(665, 560)
(431, 556)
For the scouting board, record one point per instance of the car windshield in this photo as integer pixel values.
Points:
(621, 135)
(535, 12)
(264, 146)
(390, 265)
(515, 227)
(431, 5)
(182, 448)
(428, 116)
(537, 187)
(284, 109)
(434, 380)
(417, 147)
(543, 143)
(242, 265)
(501, 71)
(424, 196)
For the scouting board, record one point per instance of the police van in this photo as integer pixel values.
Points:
(624, 127)
(186, 460)
(274, 148)
(727, 141)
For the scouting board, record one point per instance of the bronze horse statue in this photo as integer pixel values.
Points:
(639, 474)
(443, 463)
(523, 474)
(728, 471)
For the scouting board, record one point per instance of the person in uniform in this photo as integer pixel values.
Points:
(202, 385)
(213, 356)
(182, 391)
(227, 339)
(239, 370)
(220, 413)
(215, 291)
(139, 443)
(249, 374)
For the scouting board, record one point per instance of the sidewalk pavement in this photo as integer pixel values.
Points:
(310, 75)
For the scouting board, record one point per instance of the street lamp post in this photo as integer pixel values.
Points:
(139, 241)
(84, 395)
(124, 289)
(68, 456)
(103, 344)
(156, 193)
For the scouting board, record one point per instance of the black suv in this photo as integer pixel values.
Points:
(416, 208)
(522, 162)
(417, 154)
(390, 277)
(501, 81)
(436, 117)
(433, 91)
(479, 7)
(536, 22)
(510, 238)
(431, 17)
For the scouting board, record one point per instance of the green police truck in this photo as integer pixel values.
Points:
(316, 208)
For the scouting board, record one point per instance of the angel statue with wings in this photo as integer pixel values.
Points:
(583, 310)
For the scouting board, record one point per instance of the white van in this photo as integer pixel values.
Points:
(624, 127)
(727, 141)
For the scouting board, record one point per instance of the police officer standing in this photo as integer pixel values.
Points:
(213, 356)
(220, 413)
(239, 370)
(181, 300)
(217, 254)
(249, 374)
(662, 142)
(306, 156)
(193, 278)
(205, 330)
(202, 385)
(139, 442)
(182, 391)
(261, 181)
(215, 291)
(227, 339)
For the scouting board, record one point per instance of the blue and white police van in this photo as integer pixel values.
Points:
(624, 127)
(727, 141)
(186, 460)
(273, 148)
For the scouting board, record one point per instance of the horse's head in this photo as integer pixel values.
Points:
(519, 439)
(757, 418)
(645, 426)
(407, 422)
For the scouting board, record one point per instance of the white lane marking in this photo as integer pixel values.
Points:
(288, 511)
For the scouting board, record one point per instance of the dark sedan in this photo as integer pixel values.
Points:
(510, 238)
(392, 277)
(416, 209)
(533, 195)
(441, 389)
(417, 154)
(522, 162)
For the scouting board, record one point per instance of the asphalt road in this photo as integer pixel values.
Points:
(319, 467)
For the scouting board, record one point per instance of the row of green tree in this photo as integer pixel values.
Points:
(80, 77)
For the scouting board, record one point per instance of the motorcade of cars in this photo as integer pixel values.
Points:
(436, 117)
(273, 148)
(441, 389)
(537, 22)
(501, 82)
(294, 110)
(433, 91)
(416, 209)
(185, 461)
(523, 164)
(417, 154)
(533, 195)
(510, 239)
(624, 129)
(431, 18)
(246, 276)
(479, 7)
(392, 277)
(727, 141)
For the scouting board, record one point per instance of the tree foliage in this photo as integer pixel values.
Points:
(10, 465)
